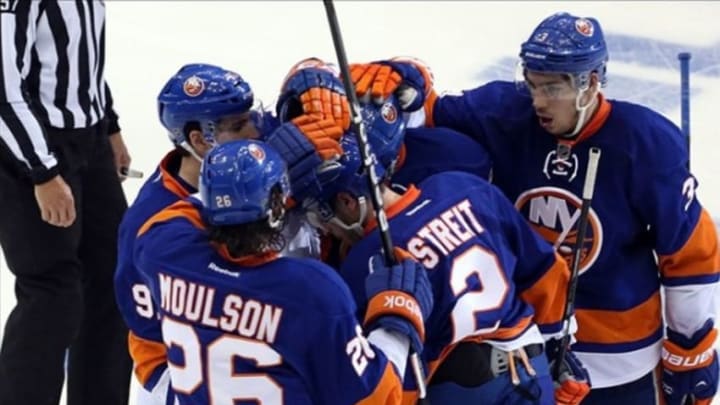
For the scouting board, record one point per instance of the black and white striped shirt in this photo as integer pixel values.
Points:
(52, 57)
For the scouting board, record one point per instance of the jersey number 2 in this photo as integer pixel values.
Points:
(483, 264)
(225, 387)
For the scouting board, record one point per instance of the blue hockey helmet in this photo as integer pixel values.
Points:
(564, 43)
(204, 94)
(385, 129)
(237, 180)
(350, 177)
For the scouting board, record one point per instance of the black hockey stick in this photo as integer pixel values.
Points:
(367, 161)
(684, 58)
(587, 195)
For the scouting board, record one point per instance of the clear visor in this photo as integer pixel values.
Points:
(548, 85)
(236, 126)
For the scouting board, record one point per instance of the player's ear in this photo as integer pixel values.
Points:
(593, 87)
(197, 141)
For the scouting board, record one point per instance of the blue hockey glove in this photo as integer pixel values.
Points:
(378, 80)
(310, 147)
(690, 367)
(399, 297)
(573, 381)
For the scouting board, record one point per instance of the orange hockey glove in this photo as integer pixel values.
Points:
(324, 134)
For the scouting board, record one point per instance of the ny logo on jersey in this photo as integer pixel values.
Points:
(561, 162)
(554, 214)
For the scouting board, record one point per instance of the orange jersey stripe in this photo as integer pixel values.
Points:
(549, 294)
(507, 333)
(699, 256)
(147, 356)
(596, 122)
(604, 326)
(388, 391)
(398, 206)
(179, 209)
(168, 180)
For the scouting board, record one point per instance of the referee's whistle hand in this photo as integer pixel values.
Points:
(56, 202)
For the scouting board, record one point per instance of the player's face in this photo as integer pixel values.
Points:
(234, 127)
(554, 99)
(347, 210)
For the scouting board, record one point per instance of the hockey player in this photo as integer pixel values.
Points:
(647, 229)
(410, 154)
(499, 288)
(200, 106)
(242, 324)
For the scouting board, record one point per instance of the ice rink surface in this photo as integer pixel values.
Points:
(465, 43)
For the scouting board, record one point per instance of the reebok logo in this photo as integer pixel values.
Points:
(402, 303)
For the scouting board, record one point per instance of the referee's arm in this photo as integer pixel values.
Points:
(22, 138)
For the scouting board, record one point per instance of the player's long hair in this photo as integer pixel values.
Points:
(257, 237)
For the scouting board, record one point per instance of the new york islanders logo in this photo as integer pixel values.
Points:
(388, 113)
(193, 86)
(584, 27)
(554, 214)
(256, 152)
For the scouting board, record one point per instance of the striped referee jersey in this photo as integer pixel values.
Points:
(52, 56)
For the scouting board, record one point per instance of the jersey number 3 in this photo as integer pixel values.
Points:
(224, 385)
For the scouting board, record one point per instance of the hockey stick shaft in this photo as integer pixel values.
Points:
(359, 129)
(587, 196)
(684, 58)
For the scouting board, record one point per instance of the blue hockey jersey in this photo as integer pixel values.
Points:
(161, 189)
(644, 205)
(494, 280)
(428, 151)
(260, 329)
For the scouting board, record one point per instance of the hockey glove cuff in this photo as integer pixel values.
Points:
(400, 297)
(573, 381)
(690, 366)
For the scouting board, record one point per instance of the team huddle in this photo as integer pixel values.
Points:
(251, 266)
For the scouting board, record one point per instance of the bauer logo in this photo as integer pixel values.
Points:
(554, 214)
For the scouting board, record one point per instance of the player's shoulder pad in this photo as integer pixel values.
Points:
(652, 140)
(183, 211)
(324, 290)
(454, 183)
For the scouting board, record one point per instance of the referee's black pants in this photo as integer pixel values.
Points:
(64, 282)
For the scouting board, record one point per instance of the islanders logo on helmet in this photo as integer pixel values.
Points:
(257, 152)
(584, 27)
(389, 113)
(193, 86)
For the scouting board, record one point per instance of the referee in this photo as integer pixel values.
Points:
(60, 205)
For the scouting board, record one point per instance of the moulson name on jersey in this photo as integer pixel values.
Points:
(193, 301)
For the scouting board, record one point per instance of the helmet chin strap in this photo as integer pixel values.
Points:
(186, 145)
(356, 228)
(582, 110)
